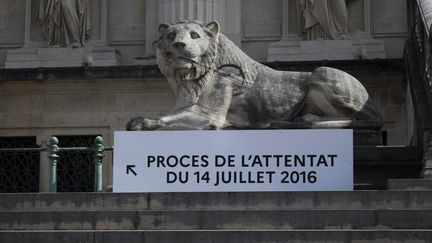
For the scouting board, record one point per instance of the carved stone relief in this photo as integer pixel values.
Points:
(324, 19)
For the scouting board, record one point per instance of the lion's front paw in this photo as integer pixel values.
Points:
(140, 123)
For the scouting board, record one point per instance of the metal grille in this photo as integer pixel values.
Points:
(75, 170)
(19, 171)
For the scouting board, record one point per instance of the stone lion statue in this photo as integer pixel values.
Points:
(218, 86)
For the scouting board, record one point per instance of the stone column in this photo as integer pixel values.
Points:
(27, 23)
(288, 32)
(226, 12)
(364, 45)
(152, 24)
(288, 48)
(367, 17)
(233, 21)
(171, 11)
(104, 22)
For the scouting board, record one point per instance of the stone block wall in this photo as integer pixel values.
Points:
(77, 106)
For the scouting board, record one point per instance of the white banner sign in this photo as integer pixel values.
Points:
(233, 161)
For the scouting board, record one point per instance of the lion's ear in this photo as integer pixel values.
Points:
(163, 27)
(213, 29)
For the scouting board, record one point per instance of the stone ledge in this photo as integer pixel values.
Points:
(229, 219)
(108, 72)
(410, 184)
(371, 65)
(361, 46)
(182, 201)
(227, 236)
(152, 71)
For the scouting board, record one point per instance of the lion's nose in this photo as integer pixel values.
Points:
(179, 45)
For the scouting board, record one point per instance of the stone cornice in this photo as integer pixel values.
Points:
(152, 71)
(366, 65)
(109, 72)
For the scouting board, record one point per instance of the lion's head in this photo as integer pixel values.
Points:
(186, 49)
(188, 52)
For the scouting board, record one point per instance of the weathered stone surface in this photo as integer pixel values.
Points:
(321, 217)
(218, 219)
(410, 184)
(60, 57)
(53, 202)
(218, 86)
(12, 23)
(360, 47)
(228, 236)
(66, 22)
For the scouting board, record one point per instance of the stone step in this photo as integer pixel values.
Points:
(217, 201)
(410, 184)
(217, 220)
(207, 201)
(226, 236)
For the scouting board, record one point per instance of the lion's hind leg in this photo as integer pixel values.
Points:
(337, 99)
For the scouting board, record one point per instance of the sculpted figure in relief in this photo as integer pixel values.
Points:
(65, 23)
(218, 86)
(324, 19)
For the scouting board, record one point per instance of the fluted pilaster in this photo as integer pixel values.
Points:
(226, 12)
(171, 11)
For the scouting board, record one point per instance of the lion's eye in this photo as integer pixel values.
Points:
(171, 36)
(195, 35)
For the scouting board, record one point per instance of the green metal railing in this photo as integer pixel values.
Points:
(53, 150)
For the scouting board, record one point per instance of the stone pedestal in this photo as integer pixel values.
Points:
(368, 138)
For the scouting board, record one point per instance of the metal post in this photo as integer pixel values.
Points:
(53, 149)
(98, 149)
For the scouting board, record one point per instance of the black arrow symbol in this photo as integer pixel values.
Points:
(130, 168)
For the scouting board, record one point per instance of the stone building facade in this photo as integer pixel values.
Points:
(264, 29)
(95, 89)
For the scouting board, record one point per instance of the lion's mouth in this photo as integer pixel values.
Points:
(189, 59)
(192, 60)
(182, 58)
